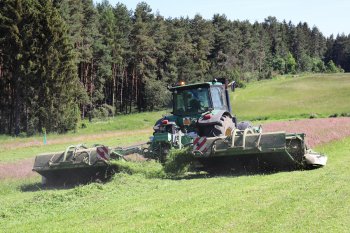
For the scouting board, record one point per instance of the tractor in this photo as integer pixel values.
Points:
(202, 120)
(199, 110)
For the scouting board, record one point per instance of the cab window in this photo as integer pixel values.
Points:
(217, 96)
(192, 101)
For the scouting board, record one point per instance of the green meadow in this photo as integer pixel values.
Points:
(286, 97)
(299, 201)
(143, 199)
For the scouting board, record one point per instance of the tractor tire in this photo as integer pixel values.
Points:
(156, 126)
(222, 128)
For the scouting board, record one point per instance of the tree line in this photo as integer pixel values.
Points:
(63, 60)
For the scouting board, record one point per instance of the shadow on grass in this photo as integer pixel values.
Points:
(219, 172)
(37, 186)
(40, 187)
(237, 169)
(209, 170)
(70, 178)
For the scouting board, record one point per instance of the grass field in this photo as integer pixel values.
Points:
(280, 98)
(119, 131)
(284, 97)
(118, 123)
(10, 155)
(299, 201)
(320, 95)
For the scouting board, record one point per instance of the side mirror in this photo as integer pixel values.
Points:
(233, 86)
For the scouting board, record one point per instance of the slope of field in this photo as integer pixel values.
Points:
(281, 98)
(300, 201)
(318, 131)
(13, 151)
(122, 123)
(298, 97)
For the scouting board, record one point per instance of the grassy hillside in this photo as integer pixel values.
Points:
(119, 131)
(299, 201)
(9, 155)
(281, 98)
(118, 123)
(298, 97)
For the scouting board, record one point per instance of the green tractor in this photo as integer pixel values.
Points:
(199, 110)
(202, 121)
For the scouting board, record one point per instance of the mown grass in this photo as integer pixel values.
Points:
(300, 201)
(149, 169)
(312, 95)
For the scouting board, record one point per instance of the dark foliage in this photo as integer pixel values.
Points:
(65, 59)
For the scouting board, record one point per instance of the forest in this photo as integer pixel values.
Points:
(66, 60)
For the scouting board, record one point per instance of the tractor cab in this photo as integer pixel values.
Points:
(196, 99)
(199, 98)
(199, 107)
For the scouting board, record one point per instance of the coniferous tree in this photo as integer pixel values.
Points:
(40, 68)
(143, 63)
(222, 44)
(121, 54)
(183, 50)
(61, 54)
(201, 32)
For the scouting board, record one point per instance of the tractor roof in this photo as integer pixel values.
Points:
(194, 85)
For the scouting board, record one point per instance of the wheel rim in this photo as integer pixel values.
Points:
(228, 132)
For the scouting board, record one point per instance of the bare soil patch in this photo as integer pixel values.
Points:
(19, 169)
(318, 131)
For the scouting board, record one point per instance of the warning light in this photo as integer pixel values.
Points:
(180, 83)
(165, 122)
(207, 117)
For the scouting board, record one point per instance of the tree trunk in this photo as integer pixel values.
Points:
(17, 111)
(81, 77)
(132, 89)
(114, 76)
(121, 90)
(91, 83)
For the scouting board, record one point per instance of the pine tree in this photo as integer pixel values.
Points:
(56, 55)
(201, 32)
(182, 50)
(103, 81)
(221, 45)
(143, 63)
(59, 89)
(121, 55)
(11, 47)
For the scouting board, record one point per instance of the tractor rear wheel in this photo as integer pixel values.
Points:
(222, 128)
